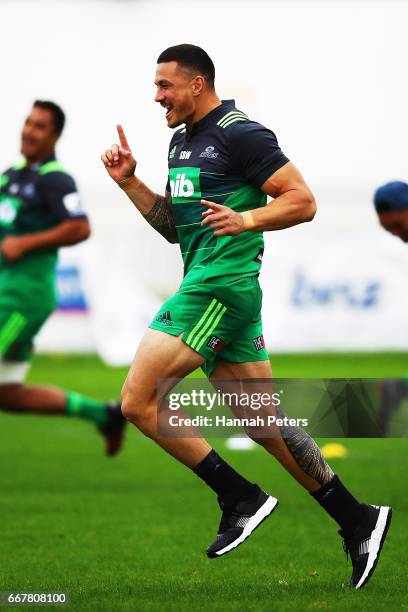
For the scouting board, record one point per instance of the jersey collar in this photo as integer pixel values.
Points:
(212, 116)
(42, 162)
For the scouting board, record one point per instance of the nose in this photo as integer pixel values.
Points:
(159, 97)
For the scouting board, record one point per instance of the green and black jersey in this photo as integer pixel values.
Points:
(33, 199)
(225, 158)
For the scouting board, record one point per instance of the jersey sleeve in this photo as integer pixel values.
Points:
(255, 152)
(61, 196)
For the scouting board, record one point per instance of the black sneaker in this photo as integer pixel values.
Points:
(364, 546)
(239, 522)
(114, 428)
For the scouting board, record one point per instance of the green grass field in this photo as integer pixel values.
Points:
(130, 533)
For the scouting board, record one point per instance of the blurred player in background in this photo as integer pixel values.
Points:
(40, 211)
(391, 204)
(214, 320)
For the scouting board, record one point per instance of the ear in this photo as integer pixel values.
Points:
(198, 85)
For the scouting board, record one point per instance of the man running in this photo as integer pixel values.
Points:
(222, 166)
(40, 211)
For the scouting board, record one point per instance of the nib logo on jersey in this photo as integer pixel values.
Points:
(184, 184)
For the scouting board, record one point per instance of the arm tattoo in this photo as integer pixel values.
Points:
(306, 453)
(161, 218)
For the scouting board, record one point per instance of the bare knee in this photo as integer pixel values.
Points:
(133, 406)
(139, 410)
(10, 396)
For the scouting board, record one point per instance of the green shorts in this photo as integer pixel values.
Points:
(218, 320)
(25, 305)
(17, 332)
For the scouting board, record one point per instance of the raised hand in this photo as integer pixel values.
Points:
(118, 160)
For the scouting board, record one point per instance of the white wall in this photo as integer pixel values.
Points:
(328, 77)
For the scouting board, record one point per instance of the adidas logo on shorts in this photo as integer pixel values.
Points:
(165, 318)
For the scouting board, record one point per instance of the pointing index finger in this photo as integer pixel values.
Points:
(122, 138)
(211, 205)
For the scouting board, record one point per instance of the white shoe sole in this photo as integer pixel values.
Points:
(375, 545)
(260, 515)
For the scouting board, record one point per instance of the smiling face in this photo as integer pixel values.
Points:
(177, 91)
(395, 222)
(38, 136)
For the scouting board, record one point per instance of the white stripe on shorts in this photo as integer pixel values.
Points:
(13, 371)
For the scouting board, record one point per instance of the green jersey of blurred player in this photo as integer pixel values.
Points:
(40, 211)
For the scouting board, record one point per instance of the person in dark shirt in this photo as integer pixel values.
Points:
(222, 167)
(40, 211)
(391, 205)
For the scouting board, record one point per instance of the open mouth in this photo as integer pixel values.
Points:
(26, 141)
(169, 110)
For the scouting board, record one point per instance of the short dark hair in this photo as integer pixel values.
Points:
(391, 197)
(57, 113)
(191, 57)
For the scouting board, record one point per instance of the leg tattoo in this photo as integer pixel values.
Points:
(306, 453)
